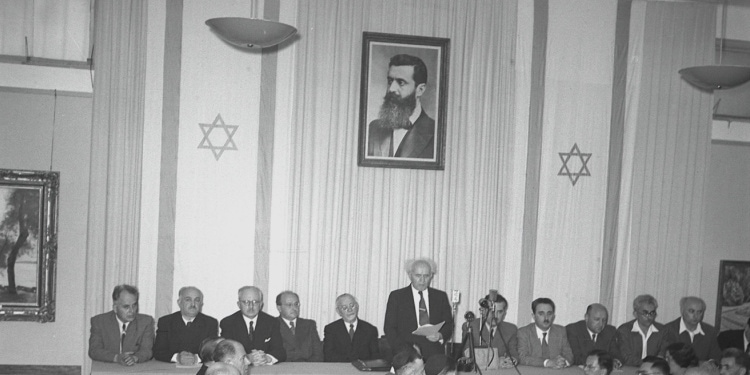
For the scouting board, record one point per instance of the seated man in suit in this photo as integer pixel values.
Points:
(690, 329)
(349, 338)
(122, 335)
(543, 343)
(599, 362)
(591, 333)
(734, 362)
(231, 353)
(485, 330)
(299, 336)
(257, 331)
(179, 335)
(736, 338)
(642, 336)
(653, 365)
(418, 305)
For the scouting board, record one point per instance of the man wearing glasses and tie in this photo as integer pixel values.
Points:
(415, 306)
(299, 335)
(349, 338)
(643, 336)
(257, 331)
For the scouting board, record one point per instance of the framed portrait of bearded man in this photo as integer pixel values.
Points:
(403, 101)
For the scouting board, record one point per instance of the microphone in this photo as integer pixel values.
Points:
(485, 303)
(469, 316)
(493, 295)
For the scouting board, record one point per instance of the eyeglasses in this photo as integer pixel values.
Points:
(650, 314)
(591, 367)
(251, 303)
(349, 307)
(648, 373)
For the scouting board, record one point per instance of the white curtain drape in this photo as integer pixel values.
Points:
(355, 226)
(116, 153)
(51, 29)
(666, 144)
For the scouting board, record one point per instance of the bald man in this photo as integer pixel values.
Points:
(690, 329)
(179, 335)
(591, 333)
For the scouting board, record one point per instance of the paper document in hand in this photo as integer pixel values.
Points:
(428, 329)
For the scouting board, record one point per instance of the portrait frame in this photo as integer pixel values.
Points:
(377, 50)
(28, 232)
(733, 296)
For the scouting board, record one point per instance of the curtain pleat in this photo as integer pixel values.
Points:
(667, 138)
(354, 227)
(116, 152)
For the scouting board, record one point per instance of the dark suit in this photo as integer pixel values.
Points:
(705, 346)
(172, 336)
(304, 345)
(104, 342)
(530, 347)
(734, 338)
(266, 335)
(401, 320)
(419, 141)
(339, 347)
(631, 343)
(581, 344)
(507, 331)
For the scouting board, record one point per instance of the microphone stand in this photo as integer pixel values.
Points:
(469, 364)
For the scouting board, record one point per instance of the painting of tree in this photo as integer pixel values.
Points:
(19, 236)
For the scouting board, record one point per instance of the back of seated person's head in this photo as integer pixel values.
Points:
(603, 359)
(682, 354)
(658, 365)
(224, 350)
(207, 347)
(741, 359)
(219, 368)
(439, 364)
(407, 361)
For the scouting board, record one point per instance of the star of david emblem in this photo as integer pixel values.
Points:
(566, 157)
(224, 138)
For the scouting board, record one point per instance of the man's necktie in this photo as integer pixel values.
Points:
(189, 324)
(291, 326)
(545, 347)
(594, 338)
(250, 331)
(351, 331)
(122, 337)
(424, 318)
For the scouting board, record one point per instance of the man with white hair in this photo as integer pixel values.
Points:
(690, 329)
(417, 305)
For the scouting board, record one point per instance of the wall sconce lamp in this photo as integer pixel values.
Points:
(250, 32)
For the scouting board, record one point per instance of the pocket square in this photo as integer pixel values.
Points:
(267, 340)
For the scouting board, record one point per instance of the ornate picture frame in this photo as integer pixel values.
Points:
(28, 244)
(733, 297)
(400, 75)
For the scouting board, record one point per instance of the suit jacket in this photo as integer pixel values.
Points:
(530, 347)
(581, 344)
(419, 141)
(507, 331)
(266, 336)
(631, 343)
(104, 342)
(401, 320)
(304, 345)
(733, 338)
(338, 347)
(705, 346)
(173, 336)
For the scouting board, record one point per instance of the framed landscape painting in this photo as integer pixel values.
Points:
(28, 244)
(733, 298)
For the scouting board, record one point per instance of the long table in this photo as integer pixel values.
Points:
(315, 368)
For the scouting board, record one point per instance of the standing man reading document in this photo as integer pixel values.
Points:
(415, 306)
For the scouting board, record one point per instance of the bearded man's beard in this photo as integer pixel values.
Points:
(395, 111)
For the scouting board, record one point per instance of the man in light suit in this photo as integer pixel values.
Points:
(299, 336)
(179, 335)
(591, 333)
(642, 336)
(403, 129)
(122, 335)
(736, 338)
(257, 331)
(690, 329)
(417, 305)
(349, 338)
(542, 343)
